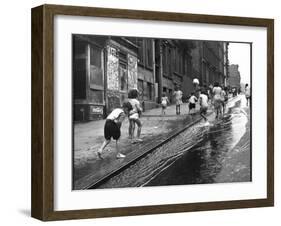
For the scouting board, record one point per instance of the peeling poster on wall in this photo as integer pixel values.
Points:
(132, 72)
(112, 69)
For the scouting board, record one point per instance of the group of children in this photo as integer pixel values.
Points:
(203, 101)
(133, 109)
(112, 127)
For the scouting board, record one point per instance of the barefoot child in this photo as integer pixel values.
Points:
(164, 103)
(217, 90)
(178, 98)
(134, 115)
(203, 101)
(192, 102)
(112, 127)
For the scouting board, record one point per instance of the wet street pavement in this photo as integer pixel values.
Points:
(218, 153)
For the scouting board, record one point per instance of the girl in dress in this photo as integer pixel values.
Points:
(164, 103)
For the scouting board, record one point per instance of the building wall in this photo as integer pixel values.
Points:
(122, 75)
(234, 78)
(106, 69)
(114, 65)
(146, 87)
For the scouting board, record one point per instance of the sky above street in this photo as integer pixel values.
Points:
(239, 53)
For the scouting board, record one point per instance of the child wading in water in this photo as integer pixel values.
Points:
(203, 101)
(134, 116)
(112, 127)
(217, 90)
(192, 102)
(164, 103)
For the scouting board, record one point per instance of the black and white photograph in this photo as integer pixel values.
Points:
(159, 112)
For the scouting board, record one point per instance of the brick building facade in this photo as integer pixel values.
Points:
(234, 78)
(105, 68)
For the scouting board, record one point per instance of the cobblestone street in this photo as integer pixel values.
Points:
(156, 129)
(215, 154)
(89, 136)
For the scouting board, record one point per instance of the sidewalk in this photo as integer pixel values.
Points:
(88, 168)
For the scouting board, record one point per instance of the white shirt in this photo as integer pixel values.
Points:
(178, 96)
(204, 100)
(164, 101)
(196, 81)
(116, 114)
(192, 99)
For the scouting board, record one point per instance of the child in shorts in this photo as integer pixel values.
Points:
(192, 102)
(112, 127)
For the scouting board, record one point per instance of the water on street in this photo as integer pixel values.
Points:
(201, 154)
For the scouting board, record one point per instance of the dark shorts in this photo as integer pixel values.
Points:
(111, 129)
(203, 110)
(191, 106)
(164, 106)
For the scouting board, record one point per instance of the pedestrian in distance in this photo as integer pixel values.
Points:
(192, 102)
(134, 116)
(164, 103)
(112, 127)
(178, 98)
(247, 93)
(217, 101)
(195, 83)
(210, 92)
(203, 101)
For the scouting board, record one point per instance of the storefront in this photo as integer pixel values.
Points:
(104, 69)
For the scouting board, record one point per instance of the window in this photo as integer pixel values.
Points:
(179, 62)
(145, 51)
(96, 75)
(169, 62)
(149, 91)
(79, 68)
(148, 56)
(140, 43)
(97, 96)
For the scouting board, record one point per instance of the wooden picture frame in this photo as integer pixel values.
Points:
(43, 112)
